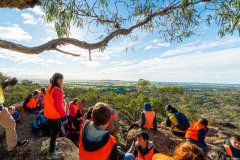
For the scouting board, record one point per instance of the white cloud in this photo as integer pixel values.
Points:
(212, 66)
(49, 27)
(14, 33)
(155, 40)
(23, 73)
(29, 19)
(215, 66)
(121, 63)
(163, 44)
(158, 45)
(37, 10)
(148, 47)
(36, 60)
(48, 38)
(193, 48)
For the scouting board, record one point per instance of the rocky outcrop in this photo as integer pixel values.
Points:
(165, 142)
(37, 148)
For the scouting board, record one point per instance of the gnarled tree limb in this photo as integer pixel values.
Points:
(52, 45)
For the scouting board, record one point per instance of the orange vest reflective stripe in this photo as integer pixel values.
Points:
(149, 115)
(228, 150)
(147, 156)
(101, 154)
(49, 108)
(73, 127)
(160, 156)
(192, 131)
(32, 103)
(18, 118)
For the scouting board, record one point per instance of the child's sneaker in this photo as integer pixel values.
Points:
(55, 155)
(57, 146)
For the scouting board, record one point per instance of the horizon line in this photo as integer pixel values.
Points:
(76, 80)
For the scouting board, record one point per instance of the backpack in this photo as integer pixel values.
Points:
(39, 122)
(183, 122)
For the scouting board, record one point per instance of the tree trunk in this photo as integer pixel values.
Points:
(20, 4)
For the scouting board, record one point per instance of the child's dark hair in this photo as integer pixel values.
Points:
(143, 134)
(203, 121)
(29, 96)
(54, 80)
(235, 137)
(170, 108)
(101, 113)
(9, 82)
(75, 100)
(43, 90)
(35, 93)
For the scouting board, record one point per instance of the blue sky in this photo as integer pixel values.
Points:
(206, 58)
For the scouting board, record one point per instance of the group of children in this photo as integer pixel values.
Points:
(96, 142)
(196, 132)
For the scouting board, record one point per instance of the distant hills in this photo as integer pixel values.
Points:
(133, 83)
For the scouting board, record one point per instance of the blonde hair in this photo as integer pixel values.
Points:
(11, 108)
(188, 151)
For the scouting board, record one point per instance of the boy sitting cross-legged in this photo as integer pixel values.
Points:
(95, 141)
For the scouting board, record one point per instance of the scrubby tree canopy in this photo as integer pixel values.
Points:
(173, 20)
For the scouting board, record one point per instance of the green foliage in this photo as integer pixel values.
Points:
(174, 20)
(220, 106)
(147, 88)
(170, 94)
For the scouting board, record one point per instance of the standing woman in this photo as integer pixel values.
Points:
(54, 111)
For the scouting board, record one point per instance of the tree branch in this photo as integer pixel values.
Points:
(72, 54)
(52, 45)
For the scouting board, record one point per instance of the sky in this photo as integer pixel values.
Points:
(204, 58)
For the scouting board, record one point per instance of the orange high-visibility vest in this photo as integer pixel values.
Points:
(49, 108)
(147, 156)
(228, 150)
(192, 131)
(73, 110)
(32, 103)
(149, 115)
(101, 154)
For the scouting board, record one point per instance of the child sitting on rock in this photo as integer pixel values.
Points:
(143, 149)
(232, 147)
(15, 114)
(148, 119)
